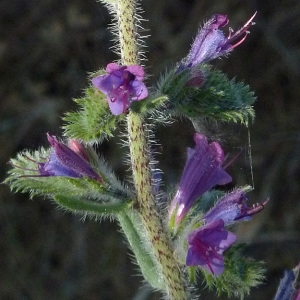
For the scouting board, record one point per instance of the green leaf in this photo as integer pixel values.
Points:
(93, 122)
(136, 234)
(88, 207)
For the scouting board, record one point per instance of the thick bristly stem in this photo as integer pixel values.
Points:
(139, 152)
(127, 32)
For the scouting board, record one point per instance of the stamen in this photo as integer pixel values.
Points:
(247, 25)
(238, 33)
(230, 30)
(238, 43)
(257, 207)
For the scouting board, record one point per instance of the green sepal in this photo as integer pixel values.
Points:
(192, 274)
(133, 228)
(240, 275)
(93, 121)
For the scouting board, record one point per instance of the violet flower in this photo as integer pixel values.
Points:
(206, 246)
(122, 85)
(232, 207)
(65, 162)
(203, 170)
(211, 42)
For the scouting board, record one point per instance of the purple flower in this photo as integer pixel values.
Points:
(206, 246)
(211, 42)
(122, 85)
(232, 207)
(203, 170)
(65, 162)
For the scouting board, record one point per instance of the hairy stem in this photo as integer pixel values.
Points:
(127, 32)
(140, 159)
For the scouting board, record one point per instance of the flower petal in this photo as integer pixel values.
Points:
(111, 67)
(202, 171)
(118, 104)
(138, 90)
(206, 246)
(107, 83)
(138, 71)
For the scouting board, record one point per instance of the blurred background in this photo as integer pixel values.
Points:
(47, 47)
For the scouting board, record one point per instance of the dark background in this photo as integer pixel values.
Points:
(46, 49)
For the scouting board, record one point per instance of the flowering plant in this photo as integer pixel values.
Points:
(192, 234)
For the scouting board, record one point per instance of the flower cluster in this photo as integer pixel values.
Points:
(203, 171)
(192, 90)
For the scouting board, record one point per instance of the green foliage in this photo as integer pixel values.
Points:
(240, 275)
(149, 104)
(77, 194)
(137, 236)
(93, 121)
(84, 206)
(218, 98)
(173, 84)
